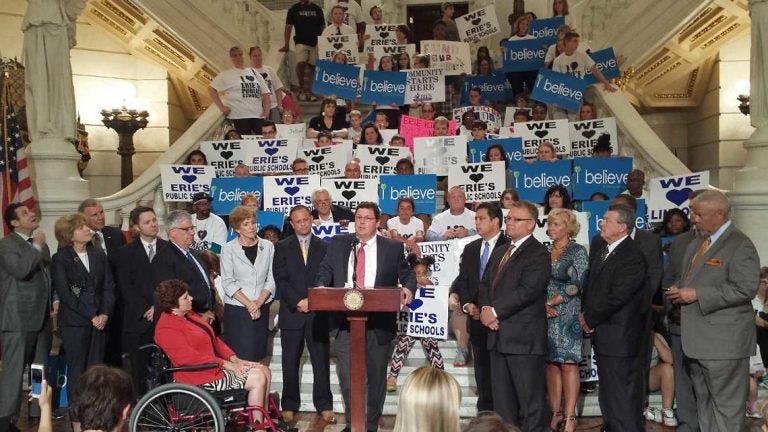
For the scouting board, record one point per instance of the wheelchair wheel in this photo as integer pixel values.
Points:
(177, 407)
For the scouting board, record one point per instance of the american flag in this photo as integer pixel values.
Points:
(16, 186)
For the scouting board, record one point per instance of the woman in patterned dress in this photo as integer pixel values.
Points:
(569, 266)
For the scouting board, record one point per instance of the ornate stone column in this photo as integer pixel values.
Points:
(49, 34)
(749, 197)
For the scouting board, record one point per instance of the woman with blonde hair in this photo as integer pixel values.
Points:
(429, 402)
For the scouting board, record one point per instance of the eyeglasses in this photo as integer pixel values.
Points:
(515, 220)
(187, 229)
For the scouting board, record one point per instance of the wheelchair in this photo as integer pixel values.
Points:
(177, 407)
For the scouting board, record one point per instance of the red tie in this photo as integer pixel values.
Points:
(360, 269)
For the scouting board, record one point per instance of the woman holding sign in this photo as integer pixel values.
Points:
(569, 267)
(327, 121)
(520, 81)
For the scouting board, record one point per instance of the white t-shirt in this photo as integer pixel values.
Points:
(333, 30)
(241, 90)
(208, 231)
(408, 230)
(273, 82)
(353, 13)
(576, 64)
(446, 220)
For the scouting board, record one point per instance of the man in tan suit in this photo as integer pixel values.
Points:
(718, 278)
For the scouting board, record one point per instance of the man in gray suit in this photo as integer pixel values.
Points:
(25, 325)
(719, 276)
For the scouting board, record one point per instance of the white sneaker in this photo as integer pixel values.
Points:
(669, 418)
(653, 414)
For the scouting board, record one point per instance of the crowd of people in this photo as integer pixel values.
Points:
(679, 311)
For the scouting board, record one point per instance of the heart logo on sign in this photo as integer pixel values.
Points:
(541, 133)
(678, 196)
(338, 45)
(382, 159)
(588, 134)
(477, 21)
(249, 78)
(384, 35)
(291, 190)
(348, 194)
(317, 159)
(415, 304)
(202, 234)
(476, 177)
(189, 178)
(226, 154)
(271, 151)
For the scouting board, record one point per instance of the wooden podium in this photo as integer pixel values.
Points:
(356, 304)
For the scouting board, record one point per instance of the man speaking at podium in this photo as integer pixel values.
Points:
(365, 260)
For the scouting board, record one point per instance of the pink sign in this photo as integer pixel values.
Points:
(414, 127)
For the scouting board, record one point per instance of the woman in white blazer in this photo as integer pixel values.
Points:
(246, 274)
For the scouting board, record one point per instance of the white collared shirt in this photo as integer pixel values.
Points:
(613, 245)
(26, 239)
(370, 263)
(146, 246)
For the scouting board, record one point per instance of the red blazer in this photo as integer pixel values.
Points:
(186, 344)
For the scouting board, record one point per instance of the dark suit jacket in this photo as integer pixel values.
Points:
(25, 289)
(467, 283)
(614, 301)
(391, 268)
(114, 240)
(518, 299)
(650, 245)
(170, 263)
(136, 282)
(293, 278)
(95, 285)
(672, 275)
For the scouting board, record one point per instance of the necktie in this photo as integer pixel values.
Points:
(503, 261)
(604, 253)
(192, 261)
(360, 269)
(338, 30)
(484, 258)
(30, 240)
(304, 250)
(151, 252)
(97, 241)
(703, 248)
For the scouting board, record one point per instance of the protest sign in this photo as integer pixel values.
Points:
(180, 182)
(606, 175)
(605, 61)
(379, 35)
(531, 180)
(446, 266)
(545, 27)
(340, 80)
(513, 148)
(566, 91)
(509, 114)
(435, 154)
(228, 192)
(225, 155)
(452, 57)
(387, 134)
(384, 88)
(271, 155)
(485, 113)
(327, 46)
(422, 188)
(327, 231)
(478, 25)
(350, 192)
(492, 87)
(525, 54)
(588, 363)
(672, 192)
(326, 161)
(534, 133)
(295, 131)
(394, 51)
(540, 231)
(376, 160)
(584, 135)
(414, 127)
(424, 85)
(283, 192)
(427, 315)
(481, 182)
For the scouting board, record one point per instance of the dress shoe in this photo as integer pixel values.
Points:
(328, 416)
(289, 416)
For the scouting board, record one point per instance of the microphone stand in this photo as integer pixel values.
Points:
(355, 242)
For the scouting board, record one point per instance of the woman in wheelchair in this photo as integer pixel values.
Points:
(187, 339)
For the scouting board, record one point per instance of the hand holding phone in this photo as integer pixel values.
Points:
(37, 372)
